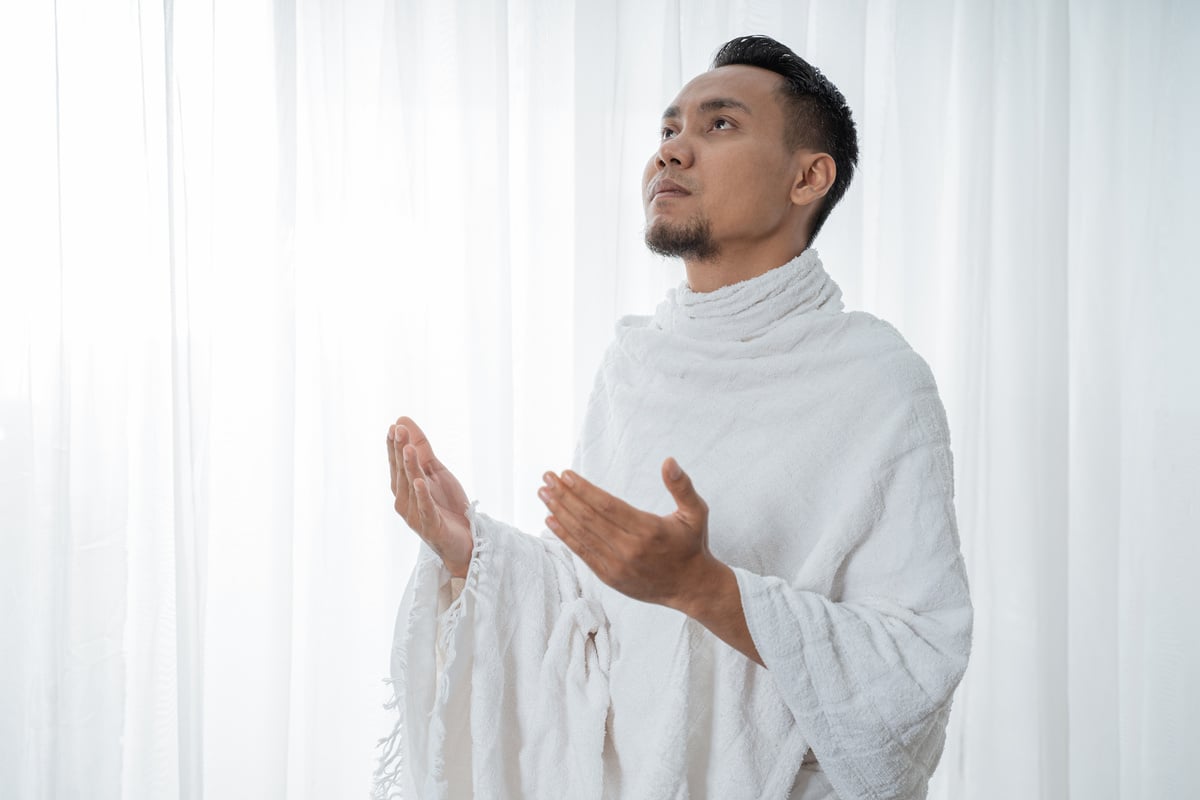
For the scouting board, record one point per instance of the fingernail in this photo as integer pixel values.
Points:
(675, 472)
(567, 479)
(548, 479)
(545, 495)
(391, 433)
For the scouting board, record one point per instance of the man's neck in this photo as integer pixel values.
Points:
(734, 266)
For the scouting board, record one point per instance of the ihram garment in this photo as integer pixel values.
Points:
(818, 440)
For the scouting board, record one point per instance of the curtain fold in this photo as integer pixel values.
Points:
(237, 240)
(1134, 396)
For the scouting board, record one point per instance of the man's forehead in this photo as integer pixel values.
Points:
(751, 86)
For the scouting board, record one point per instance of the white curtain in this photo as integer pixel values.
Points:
(237, 240)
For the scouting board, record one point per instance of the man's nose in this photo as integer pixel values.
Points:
(675, 151)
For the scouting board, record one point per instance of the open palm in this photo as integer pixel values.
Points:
(428, 496)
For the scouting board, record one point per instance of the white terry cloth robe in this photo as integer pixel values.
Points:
(817, 439)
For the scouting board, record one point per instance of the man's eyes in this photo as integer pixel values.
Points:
(719, 124)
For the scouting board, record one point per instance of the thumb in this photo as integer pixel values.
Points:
(679, 484)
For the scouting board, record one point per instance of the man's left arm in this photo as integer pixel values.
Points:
(657, 559)
(868, 677)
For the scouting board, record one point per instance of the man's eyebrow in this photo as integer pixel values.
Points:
(716, 104)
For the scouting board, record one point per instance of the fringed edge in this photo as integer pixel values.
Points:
(388, 783)
(437, 725)
(391, 762)
(388, 776)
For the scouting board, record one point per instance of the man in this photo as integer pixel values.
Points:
(790, 617)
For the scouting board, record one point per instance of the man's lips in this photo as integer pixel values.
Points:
(667, 188)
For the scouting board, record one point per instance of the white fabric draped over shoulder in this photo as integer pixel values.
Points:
(820, 444)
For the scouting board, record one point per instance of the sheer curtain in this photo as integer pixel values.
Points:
(238, 239)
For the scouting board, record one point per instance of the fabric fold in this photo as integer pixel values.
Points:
(748, 309)
(870, 677)
(516, 707)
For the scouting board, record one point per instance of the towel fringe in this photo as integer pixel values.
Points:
(437, 724)
(391, 760)
(387, 779)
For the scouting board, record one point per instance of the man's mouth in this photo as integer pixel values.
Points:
(667, 188)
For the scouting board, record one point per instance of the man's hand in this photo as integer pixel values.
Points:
(648, 557)
(655, 559)
(429, 497)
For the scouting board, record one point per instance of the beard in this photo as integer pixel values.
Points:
(692, 240)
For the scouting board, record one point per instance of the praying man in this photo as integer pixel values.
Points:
(750, 584)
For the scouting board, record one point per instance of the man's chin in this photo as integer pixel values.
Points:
(691, 240)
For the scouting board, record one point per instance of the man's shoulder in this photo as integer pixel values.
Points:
(627, 321)
(858, 346)
(885, 352)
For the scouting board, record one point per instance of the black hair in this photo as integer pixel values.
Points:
(816, 113)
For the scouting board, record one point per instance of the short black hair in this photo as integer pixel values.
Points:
(816, 112)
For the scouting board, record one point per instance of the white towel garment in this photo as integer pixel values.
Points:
(818, 440)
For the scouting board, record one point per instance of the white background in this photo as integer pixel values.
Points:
(238, 239)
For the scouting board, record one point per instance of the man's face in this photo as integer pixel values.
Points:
(722, 175)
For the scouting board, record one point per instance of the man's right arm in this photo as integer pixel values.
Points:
(515, 642)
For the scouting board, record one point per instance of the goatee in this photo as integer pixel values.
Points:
(692, 240)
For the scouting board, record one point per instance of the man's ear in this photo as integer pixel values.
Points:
(814, 177)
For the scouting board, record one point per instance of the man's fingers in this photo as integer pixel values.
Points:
(403, 484)
(583, 525)
(680, 485)
(577, 545)
(427, 511)
(412, 464)
(417, 438)
(392, 465)
(573, 511)
(619, 515)
(433, 466)
(410, 470)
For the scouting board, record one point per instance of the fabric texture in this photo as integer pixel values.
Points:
(818, 440)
